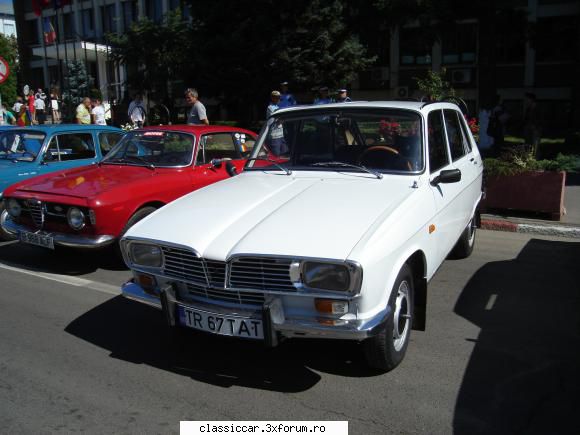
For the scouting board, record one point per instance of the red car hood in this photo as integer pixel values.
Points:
(88, 181)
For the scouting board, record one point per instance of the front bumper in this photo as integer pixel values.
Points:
(61, 239)
(273, 314)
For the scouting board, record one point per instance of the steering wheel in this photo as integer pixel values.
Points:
(390, 153)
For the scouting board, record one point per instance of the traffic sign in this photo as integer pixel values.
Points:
(4, 70)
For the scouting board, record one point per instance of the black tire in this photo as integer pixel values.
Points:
(386, 350)
(464, 246)
(4, 236)
(137, 216)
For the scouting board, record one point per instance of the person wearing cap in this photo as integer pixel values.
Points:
(286, 98)
(323, 97)
(274, 103)
(343, 97)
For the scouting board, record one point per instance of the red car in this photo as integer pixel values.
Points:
(92, 206)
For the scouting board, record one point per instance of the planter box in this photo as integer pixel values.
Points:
(539, 192)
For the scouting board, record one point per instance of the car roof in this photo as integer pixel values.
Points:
(394, 104)
(198, 129)
(51, 128)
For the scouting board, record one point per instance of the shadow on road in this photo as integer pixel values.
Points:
(60, 261)
(136, 333)
(523, 375)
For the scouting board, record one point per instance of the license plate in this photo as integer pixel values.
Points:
(37, 239)
(234, 326)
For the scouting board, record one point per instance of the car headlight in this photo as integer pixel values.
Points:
(13, 208)
(144, 254)
(326, 276)
(75, 218)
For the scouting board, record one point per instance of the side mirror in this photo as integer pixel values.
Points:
(231, 168)
(216, 163)
(447, 176)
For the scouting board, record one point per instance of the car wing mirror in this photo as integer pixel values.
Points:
(216, 163)
(447, 176)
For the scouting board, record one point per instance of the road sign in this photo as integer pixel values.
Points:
(4, 70)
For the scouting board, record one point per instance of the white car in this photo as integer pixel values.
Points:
(341, 216)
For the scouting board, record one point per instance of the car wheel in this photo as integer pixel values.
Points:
(3, 216)
(464, 246)
(386, 350)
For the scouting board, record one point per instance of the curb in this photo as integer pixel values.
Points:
(541, 229)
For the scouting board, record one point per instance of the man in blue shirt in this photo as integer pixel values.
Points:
(274, 103)
(323, 97)
(286, 98)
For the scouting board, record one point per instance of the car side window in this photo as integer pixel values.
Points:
(217, 146)
(455, 136)
(465, 132)
(244, 142)
(71, 146)
(108, 140)
(438, 156)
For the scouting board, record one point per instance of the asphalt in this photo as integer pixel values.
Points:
(568, 226)
(500, 354)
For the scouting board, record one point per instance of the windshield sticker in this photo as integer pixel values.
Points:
(237, 135)
(153, 133)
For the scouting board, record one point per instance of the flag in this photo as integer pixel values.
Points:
(39, 5)
(49, 33)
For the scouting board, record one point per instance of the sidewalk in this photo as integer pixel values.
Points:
(569, 226)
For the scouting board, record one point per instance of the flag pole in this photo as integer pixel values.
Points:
(46, 70)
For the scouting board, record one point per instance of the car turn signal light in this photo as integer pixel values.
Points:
(146, 282)
(331, 306)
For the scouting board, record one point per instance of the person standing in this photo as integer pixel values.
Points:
(197, 114)
(323, 97)
(54, 108)
(17, 105)
(497, 121)
(274, 103)
(286, 98)
(343, 96)
(31, 100)
(39, 109)
(83, 114)
(98, 112)
(531, 124)
(6, 117)
(137, 111)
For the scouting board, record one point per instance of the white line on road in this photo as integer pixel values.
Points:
(70, 280)
(491, 302)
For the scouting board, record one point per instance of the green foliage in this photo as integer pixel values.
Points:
(77, 83)
(521, 160)
(435, 86)
(9, 51)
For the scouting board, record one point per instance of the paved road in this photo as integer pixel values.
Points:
(500, 354)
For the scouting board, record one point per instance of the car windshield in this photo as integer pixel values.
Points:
(153, 149)
(20, 145)
(380, 140)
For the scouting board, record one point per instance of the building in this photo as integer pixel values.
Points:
(80, 29)
(7, 20)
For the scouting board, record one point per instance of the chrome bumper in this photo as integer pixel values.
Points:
(278, 323)
(61, 239)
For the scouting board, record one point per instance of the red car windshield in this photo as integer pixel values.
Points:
(153, 148)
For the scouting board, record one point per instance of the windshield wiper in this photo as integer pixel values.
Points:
(347, 165)
(275, 163)
(129, 159)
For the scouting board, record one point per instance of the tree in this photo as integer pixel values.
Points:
(77, 85)
(9, 51)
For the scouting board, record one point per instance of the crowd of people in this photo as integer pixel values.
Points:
(31, 109)
(283, 98)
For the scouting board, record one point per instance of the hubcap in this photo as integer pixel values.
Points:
(402, 316)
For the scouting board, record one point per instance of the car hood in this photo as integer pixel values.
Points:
(255, 213)
(87, 181)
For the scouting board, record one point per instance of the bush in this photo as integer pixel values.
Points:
(521, 159)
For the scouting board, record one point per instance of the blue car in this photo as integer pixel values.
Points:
(30, 151)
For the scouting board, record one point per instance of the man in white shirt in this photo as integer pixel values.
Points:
(137, 111)
(98, 112)
(39, 108)
(197, 114)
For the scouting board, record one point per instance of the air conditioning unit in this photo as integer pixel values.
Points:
(380, 74)
(461, 76)
(402, 92)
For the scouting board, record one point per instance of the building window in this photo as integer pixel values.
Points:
(108, 19)
(556, 39)
(69, 26)
(459, 44)
(153, 9)
(88, 23)
(130, 13)
(511, 28)
(9, 29)
(415, 48)
(30, 34)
